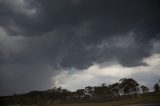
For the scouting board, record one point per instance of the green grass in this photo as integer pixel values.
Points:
(121, 102)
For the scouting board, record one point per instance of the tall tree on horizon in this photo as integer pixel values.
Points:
(129, 86)
(144, 89)
(156, 87)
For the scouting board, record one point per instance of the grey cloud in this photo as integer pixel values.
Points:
(148, 79)
(20, 78)
(66, 34)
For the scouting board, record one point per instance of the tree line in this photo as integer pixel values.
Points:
(124, 87)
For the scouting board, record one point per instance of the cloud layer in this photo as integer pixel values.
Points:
(42, 38)
(96, 75)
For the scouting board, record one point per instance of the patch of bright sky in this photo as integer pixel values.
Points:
(96, 75)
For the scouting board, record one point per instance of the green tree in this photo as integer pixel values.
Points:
(156, 87)
(89, 90)
(129, 86)
(98, 90)
(80, 93)
(144, 89)
(115, 89)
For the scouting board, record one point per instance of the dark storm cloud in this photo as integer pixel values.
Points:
(22, 78)
(74, 33)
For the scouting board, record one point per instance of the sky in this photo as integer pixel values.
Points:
(77, 43)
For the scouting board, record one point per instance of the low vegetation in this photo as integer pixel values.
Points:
(126, 91)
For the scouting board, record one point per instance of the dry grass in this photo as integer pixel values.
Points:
(128, 101)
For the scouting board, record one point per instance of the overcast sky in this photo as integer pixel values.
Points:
(76, 43)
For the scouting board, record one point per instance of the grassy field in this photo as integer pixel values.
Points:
(122, 102)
